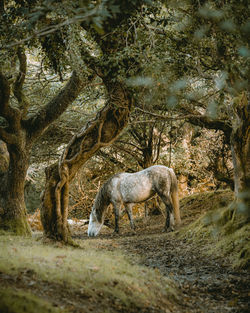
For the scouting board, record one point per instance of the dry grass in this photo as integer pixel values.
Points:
(91, 268)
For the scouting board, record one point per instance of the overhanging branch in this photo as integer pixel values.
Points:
(199, 120)
(217, 124)
(54, 108)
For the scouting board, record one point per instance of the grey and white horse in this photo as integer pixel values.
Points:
(127, 189)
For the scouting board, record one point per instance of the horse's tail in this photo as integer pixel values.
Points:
(175, 197)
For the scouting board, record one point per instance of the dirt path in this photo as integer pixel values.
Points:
(208, 284)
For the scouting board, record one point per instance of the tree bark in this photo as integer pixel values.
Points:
(19, 135)
(100, 132)
(240, 146)
(12, 204)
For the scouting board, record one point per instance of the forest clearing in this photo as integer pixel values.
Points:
(149, 271)
(135, 105)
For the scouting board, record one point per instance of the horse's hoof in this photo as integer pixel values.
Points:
(168, 230)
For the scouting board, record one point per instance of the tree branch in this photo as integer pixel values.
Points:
(18, 85)
(135, 134)
(162, 117)
(198, 119)
(115, 161)
(158, 144)
(211, 123)
(135, 155)
(129, 143)
(217, 124)
(52, 110)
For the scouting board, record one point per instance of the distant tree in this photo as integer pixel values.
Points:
(142, 142)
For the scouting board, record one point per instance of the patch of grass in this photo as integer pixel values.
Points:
(14, 301)
(219, 229)
(237, 245)
(100, 273)
(207, 201)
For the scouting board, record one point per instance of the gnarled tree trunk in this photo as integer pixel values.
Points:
(240, 146)
(19, 136)
(99, 132)
(13, 210)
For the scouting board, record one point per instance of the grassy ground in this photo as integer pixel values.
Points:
(189, 270)
(99, 275)
(18, 301)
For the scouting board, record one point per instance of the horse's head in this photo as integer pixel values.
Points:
(96, 218)
(94, 225)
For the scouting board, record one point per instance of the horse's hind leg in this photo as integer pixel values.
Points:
(128, 208)
(169, 225)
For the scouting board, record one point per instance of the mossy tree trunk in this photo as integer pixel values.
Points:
(97, 133)
(19, 135)
(13, 212)
(240, 145)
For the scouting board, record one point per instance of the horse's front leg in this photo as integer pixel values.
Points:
(117, 215)
(129, 207)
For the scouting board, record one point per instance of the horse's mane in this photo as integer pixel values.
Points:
(102, 199)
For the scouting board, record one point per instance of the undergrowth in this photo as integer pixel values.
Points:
(220, 229)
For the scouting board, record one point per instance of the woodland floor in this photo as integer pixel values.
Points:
(205, 283)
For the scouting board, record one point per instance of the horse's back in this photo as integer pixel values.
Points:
(160, 169)
(160, 172)
(162, 177)
(132, 187)
(142, 185)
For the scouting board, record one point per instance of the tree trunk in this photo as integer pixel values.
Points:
(240, 145)
(100, 132)
(19, 136)
(241, 160)
(12, 205)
